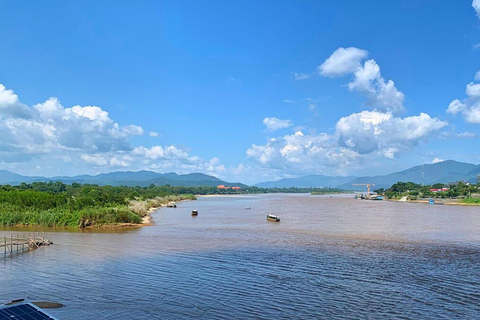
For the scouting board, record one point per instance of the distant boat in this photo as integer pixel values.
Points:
(248, 208)
(194, 212)
(271, 217)
(431, 201)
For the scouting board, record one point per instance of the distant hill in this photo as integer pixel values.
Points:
(312, 181)
(443, 172)
(124, 178)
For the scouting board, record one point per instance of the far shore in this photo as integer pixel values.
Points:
(449, 202)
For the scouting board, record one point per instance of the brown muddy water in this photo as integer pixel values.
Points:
(328, 258)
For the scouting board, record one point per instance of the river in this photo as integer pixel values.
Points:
(328, 258)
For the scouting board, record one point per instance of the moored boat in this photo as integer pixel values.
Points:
(194, 212)
(271, 217)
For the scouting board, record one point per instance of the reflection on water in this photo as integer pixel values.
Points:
(327, 258)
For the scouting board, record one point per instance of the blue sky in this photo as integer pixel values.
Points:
(244, 90)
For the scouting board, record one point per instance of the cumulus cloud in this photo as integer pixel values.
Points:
(343, 61)
(10, 105)
(83, 136)
(477, 76)
(470, 107)
(301, 153)
(274, 124)
(52, 127)
(476, 6)
(372, 131)
(437, 160)
(382, 95)
(368, 133)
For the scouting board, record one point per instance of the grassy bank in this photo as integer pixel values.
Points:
(58, 205)
(470, 201)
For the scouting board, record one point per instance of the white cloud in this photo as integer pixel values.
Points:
(298, 153)
(381, 94)
(342, 62)
(274, 124)
(153, 134)
(437, 160)
(371, 131)
(301, 76)
(466, 135)
(358, 136)
(96, 159)
(133, 130)
(84, 137)
(93, 113)
(477, 76)
(476, 6)
(10, 105)
(470, 107)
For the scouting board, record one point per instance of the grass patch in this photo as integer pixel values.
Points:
(471, 200)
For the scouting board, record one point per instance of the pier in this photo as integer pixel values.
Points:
(13, 244)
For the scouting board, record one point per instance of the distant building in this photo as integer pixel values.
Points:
(236, 188)
(439, 190)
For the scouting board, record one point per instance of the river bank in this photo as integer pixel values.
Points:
(450, 202)
(136, 213)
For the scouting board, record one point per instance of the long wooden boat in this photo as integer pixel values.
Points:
(194, 212)
(271, 217)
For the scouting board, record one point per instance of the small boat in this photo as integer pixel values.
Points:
(431, 201)
(248, 208)
(171, 205)
(194, 212)
(271, 217)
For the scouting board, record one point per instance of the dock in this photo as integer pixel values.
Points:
(14, 244)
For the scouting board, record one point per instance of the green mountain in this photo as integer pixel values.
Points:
(312, 181)
(442, 172)
(124, 178)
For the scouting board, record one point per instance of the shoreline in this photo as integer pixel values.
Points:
(449, 202)
(147, 220)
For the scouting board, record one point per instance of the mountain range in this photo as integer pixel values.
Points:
(442, 172)
(124, 178)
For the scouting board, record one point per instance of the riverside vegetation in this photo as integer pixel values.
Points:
(463, 192)
(52, 204)
(57, 204)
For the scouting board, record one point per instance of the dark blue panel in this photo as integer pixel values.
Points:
(22, 312)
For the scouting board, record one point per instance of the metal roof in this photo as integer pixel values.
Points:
(23, 311)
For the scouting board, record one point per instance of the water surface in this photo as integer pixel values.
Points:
(329, 257)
